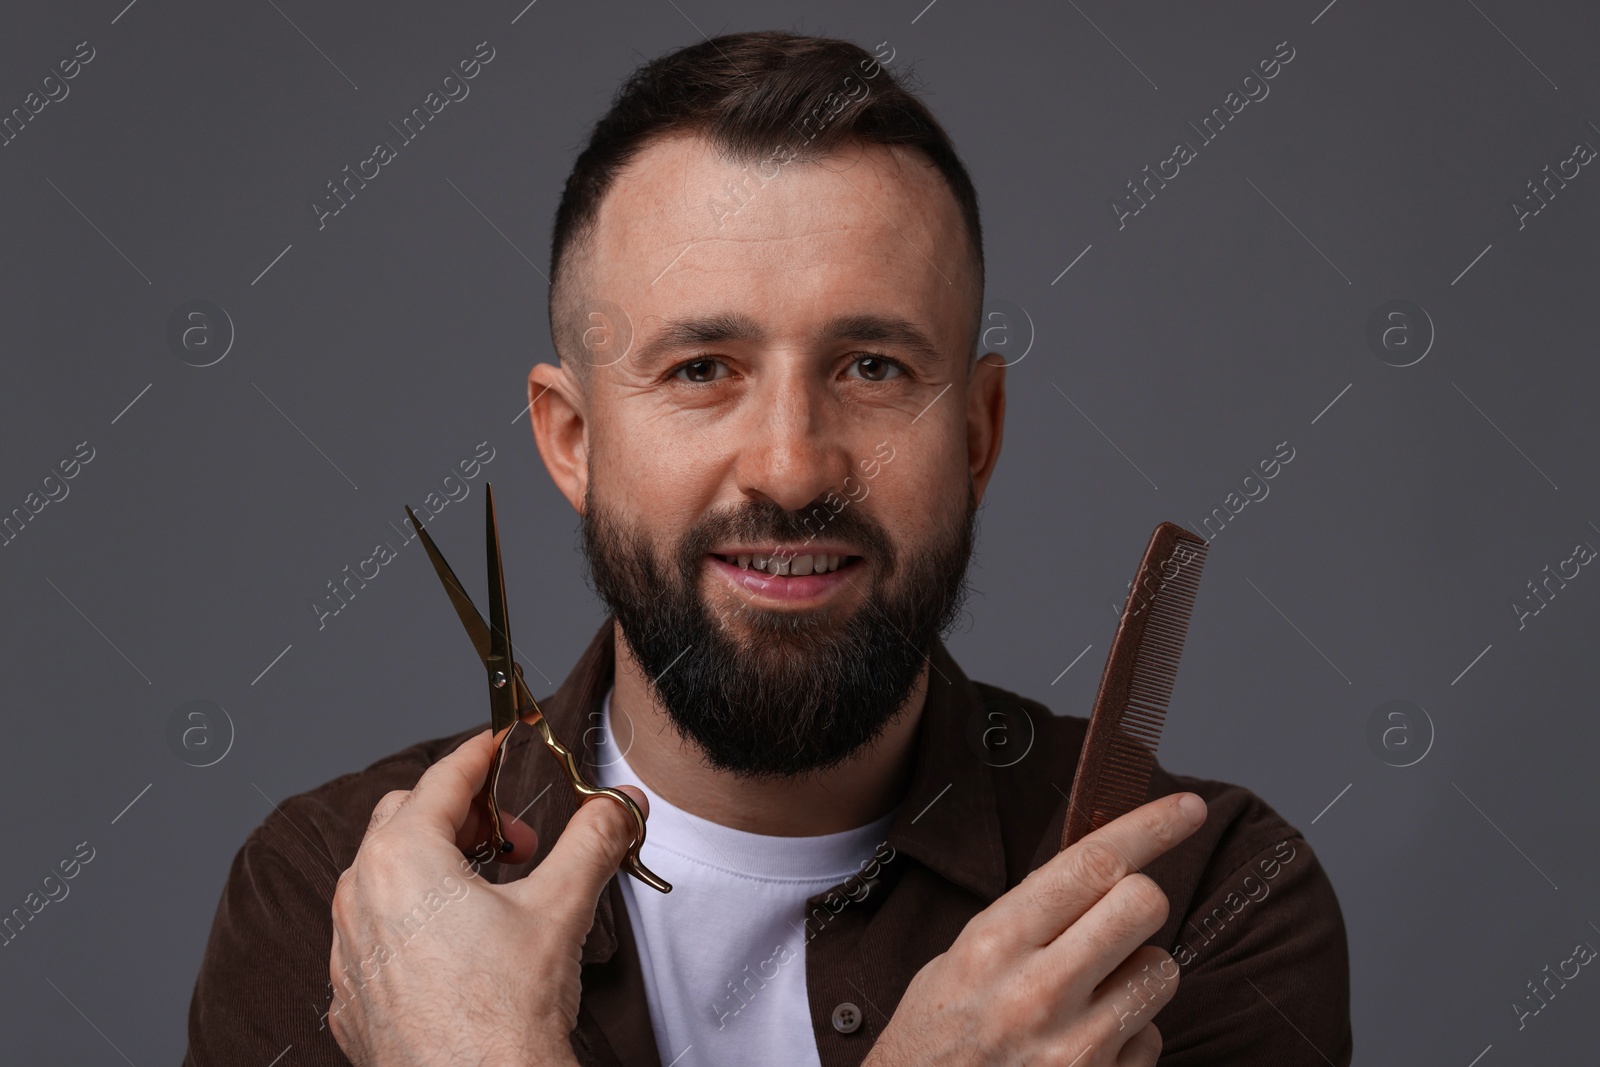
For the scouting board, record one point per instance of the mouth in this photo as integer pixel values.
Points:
(781, 574)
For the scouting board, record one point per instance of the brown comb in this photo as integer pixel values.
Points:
(1125, 727)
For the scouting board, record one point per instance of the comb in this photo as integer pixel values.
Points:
(1130, 708)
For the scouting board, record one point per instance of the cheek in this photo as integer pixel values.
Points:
(653, 472)
(924, 483)
(939, 461)
(628, 456)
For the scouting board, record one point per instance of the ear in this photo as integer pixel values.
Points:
(986, 417)
(558, 411)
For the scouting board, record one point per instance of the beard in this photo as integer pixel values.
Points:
(801, 690)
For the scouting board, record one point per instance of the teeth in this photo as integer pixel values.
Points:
(797, 566)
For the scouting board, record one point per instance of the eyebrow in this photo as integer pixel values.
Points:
(678, 334)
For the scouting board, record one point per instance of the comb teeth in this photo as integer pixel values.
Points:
(1130, 708)
(1123, 779)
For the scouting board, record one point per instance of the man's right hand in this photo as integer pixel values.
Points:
(1056, 970)
(431, 964)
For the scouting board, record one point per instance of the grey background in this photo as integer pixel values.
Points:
(1222, 320)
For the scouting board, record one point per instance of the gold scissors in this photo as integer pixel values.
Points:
(509, 699)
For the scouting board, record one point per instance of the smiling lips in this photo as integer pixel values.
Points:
(785, 575)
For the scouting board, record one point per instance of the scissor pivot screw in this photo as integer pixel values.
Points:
(498, 679)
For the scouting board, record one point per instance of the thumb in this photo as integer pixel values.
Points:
(589, 851)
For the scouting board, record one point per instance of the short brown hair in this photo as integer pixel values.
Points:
(751, 95)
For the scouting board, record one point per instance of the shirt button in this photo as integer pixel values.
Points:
(847, 1018)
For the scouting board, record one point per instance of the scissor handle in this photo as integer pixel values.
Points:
(631, 862)
(529, 714)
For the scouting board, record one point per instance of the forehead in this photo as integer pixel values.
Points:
(869, 229)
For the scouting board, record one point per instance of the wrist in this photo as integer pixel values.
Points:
(881, 1054)
(550, 1056)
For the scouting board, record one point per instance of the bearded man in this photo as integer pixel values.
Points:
(773, 418)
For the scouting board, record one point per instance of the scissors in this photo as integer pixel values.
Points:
(509, 699)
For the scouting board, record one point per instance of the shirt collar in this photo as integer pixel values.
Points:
(948, 820)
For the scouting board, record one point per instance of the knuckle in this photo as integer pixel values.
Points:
(1035, 997)
(614, 822)
(1096, 864)
(343, 890)
(590, 852)
(1021, 1010)
(393, 799)
(607, 831)
(1142, 900)
(387, 805)
(979, 948)
(1052, 890)
(1165, 823)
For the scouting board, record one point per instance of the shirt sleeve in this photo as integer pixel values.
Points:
(1264, 969)
(263, 989)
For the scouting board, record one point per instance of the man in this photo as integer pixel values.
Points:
(767, 278)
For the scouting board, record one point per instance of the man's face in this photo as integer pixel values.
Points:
(779, 374)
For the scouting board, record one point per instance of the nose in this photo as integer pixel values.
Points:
(795, 449)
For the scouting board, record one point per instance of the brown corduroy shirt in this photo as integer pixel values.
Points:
(1254, 922)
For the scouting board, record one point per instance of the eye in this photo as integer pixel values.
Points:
(701, 370)
(876, 368)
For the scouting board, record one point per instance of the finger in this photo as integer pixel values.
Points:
(1056, 895)
(584, 858)
(1131, 995)
(1143, 1048)
(390, 803)
(442, 797)
(638, 798)
(1108, 934)
(473, 837)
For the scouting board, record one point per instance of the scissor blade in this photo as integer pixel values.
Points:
(477, 629)
(502, 691)
(499, 621)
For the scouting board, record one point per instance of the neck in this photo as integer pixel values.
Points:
(863, 788)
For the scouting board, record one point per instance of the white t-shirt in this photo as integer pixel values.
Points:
(724, 953)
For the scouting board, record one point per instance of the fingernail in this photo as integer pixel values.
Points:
(1193, 808)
